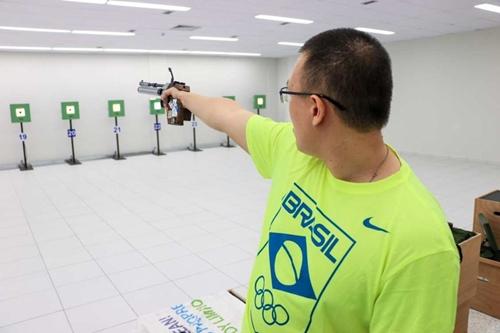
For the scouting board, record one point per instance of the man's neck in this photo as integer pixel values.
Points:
(361, 158)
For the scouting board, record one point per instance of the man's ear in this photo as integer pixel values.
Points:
(318, 110)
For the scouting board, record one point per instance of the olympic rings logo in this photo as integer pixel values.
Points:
(264, 301)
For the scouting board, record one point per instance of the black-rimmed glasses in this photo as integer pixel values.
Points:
(284, 92)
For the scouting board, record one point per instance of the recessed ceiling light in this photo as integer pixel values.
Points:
(81, 32)
(221, 39)
(488, 7)
(25, 48)
(242, 54)
(77, 49)
(290, 43)
(35, 29)
(105, 33)
(97, 2)
(147, 5)
(134, 4)
(375, 31)
(126, 50)
(283, 19)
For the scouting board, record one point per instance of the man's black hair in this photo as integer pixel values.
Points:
(353, 68)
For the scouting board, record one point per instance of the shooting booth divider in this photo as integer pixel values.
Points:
(116, 108)
(71, 111)
(228, 144)
(21, 113)
(156, 108)
(259, 102)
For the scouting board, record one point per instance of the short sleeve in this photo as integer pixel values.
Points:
(265, 142)
(421, 297)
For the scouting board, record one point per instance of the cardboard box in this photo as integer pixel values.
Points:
(487, 299)
(468, 281)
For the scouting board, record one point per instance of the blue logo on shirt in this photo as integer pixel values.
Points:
(289, 266)
(367, 223)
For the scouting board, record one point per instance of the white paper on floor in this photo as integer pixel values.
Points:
(221, 313)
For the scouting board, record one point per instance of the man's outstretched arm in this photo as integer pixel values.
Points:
(221, 114)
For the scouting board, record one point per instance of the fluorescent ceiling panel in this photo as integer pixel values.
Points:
(488, 7)
(290, 43)
(25, 48)
(105, 33)
(375, 31)
(97, 2)
(147, 5)
(219, 39)
(283, 19)
(34, 29)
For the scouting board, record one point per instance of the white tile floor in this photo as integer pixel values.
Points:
(89, 248)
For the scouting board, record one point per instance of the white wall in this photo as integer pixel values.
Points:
(45, 80)
(446, 95)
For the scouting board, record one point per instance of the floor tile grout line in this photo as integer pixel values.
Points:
(101, 330)
(32, 318)
(28, 293)
(17, 259)
(115, 296)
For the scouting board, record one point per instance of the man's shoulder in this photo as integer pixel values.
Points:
(279, 134)
(421, 225)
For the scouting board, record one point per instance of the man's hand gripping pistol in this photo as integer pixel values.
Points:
(176, 112)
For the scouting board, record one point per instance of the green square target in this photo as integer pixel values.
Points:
(20, 113)
(116, 108)
(155, 107)
(70, 110)
(259, 102)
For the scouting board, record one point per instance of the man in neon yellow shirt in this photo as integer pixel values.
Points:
(351, 240)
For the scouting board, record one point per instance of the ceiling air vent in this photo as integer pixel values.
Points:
(182, 27)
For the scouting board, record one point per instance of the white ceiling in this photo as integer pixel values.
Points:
(410, 19)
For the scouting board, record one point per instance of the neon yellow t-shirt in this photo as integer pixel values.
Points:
(343, 257)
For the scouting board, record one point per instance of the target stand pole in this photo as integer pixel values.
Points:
(117, 155)
(24, 165)
(227, 144)
(258, 112)
(71, 134)
(157, 127)
(193, 147)
(24, 150)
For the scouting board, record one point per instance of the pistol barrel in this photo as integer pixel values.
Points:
(150, 90)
